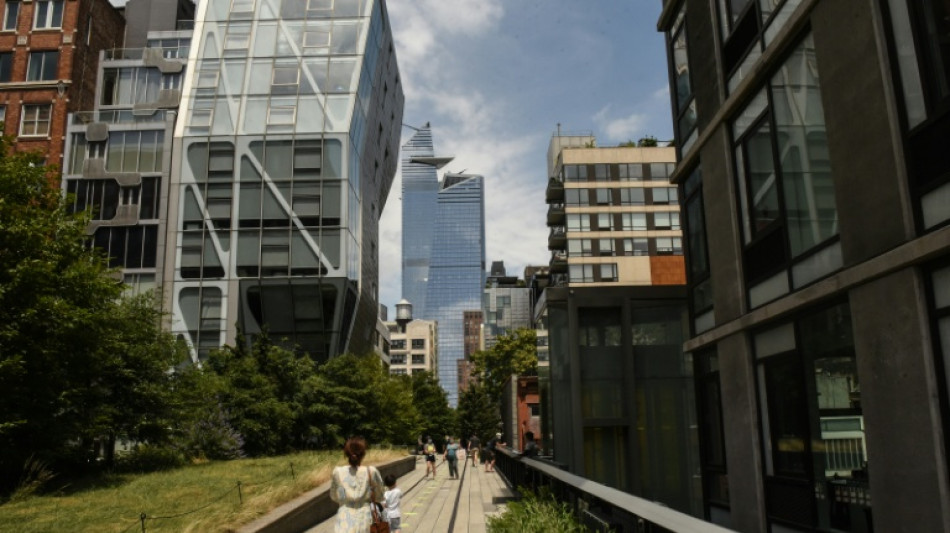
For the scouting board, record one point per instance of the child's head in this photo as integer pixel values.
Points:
(390, 480)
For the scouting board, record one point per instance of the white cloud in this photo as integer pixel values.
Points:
(622, 128)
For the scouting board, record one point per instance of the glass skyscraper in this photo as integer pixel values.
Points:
(283, 159)
(457, 269)
(420, 189)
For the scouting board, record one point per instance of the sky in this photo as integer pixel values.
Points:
(494, 78)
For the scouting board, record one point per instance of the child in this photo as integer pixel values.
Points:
(391, 499)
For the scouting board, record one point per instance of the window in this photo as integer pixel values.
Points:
(661, 171)
(786, 190)
(631, 197)
(3, 114)
(242, 6)
(939, 300)
(576, 197)
(630, 171)
(813, 428)
(6, 66)
(11, 10)
(285, 80)
(578, 222)
(579, 248)
(605, 222)
(575, 172)
(608, 272)
(669, 246)
(634, 221)
(318, 38)
(44, 66)
(49, 14)
(601, 173)
(605, 247)
(418, 359)
(398, 358)
(418, 344)
(34, 121)
(666, 220)
(238, 39)
(581, 273)
(603, 196)
(281, 115)
(130, 85)
(698, 264)
(638, 246)
(711, 434)
(664, 195)
(398, 344)
(684, 105)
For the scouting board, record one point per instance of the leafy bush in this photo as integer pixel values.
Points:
(535, 514)
(146, 458)
(212, 437)
(36, 474)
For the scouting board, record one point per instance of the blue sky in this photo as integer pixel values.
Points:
(495, 77)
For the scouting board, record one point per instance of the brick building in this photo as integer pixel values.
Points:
(49, 54)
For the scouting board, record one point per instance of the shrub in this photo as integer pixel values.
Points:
(150, 458)
(212, 437)
(535, 514)
(36, 474)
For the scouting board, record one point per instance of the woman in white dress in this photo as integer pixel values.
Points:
(352, 487)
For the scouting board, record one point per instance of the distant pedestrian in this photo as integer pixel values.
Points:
(490, 452)
(530, 446)
(473, 449)
(451, 455)
(430, 451)
(392, 499)
(353, 487)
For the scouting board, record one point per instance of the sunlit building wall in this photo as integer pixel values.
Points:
(283, 160)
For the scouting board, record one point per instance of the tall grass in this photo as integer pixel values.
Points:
(535, 514)
(197, 498)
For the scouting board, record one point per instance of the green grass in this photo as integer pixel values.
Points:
(199, 498)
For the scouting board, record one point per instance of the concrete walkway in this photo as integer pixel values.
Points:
(446, 505)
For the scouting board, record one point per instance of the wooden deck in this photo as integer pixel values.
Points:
(446, 505)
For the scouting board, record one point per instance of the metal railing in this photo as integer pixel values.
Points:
(597, 506)
(117, 116)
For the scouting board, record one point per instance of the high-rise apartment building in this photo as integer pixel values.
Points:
(282, 162)
(49, 54)
(413, 343)
(506, 304)
(812, 139)
(617, 386)
(118, 154)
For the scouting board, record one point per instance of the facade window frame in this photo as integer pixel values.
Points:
(6, 66)
(35, 120)
(11, 12)
(43, 65)
(938, 278)
(48, 14)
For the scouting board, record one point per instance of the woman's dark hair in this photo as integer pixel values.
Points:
(355, 450)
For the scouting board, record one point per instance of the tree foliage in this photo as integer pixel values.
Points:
(431, 402)
(515, 353)
(648, 141)
(79, 364)
(478, 413)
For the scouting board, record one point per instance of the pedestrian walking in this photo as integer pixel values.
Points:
(354, 487)
(392, 499)
(451, 455)
(430, 451)
(473, 449)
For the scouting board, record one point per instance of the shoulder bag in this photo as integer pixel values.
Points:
(379, 525)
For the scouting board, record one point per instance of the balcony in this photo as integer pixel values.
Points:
(559, 262)
(556, 216)
(116, 116)
(554, 192)
(557, 238)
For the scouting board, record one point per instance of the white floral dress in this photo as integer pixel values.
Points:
(350, 487)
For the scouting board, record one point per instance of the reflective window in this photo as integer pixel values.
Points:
(638, 246)
(6, 66)
(43, 66)
(634, 221)
(670, 220)
(11, 10)
(576, 197)
(49, 14)
(684, 105)
(35, 119)
(632, 197)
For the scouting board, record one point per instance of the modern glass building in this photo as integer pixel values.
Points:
(456, 270)
(283, 160)
(420, 190)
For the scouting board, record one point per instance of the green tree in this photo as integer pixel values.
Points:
(515, 353)
(78, 364)
(431, 402)
(648, 141)
(478, 413)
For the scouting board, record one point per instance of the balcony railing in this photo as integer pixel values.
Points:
(555, 191)
(179, 52)
(557, 238)
(556, 215)
(558, 262)
(116, 116)
(599, 507)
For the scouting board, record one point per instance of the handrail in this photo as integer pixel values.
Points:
(532, 473)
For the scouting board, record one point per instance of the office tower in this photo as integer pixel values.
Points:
(456, 269)
(49, 53)
(118, 152)
(420, 190)
(283, 160)
(812, 139)
(619, 404)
